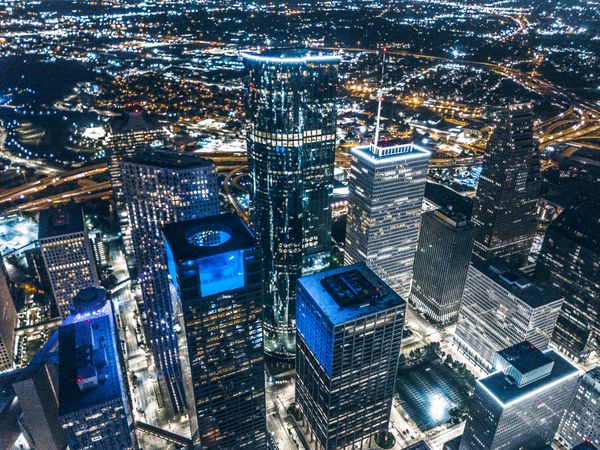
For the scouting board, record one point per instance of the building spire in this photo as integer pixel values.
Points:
(379, 100)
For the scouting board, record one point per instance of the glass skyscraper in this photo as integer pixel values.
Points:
(291, 133)
(521, 404)
(384, 210)
(159, 188)
(570, 262)
(505, 207)
(215, 267)
(349, 333)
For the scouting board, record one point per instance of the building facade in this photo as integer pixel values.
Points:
(441, 264)
(8, 322)
(94, 407)
(159, 188)
(291, 134)
(505, 208)
(68, 254)
(386, 187)
(215, 267)
(500, 308)
(520, 405)
(581, 423)
(350, 327)
(570, 262)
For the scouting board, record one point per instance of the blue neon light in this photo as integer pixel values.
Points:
(221, 273)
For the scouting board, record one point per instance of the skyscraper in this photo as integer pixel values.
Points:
(520, 405)
(581, 423)
(500, 308)
(291, 133)
(570, 262)
(505, 207)
(67, 253)
(130, 133)
(93, 407)
(8, 322)
(384, 210)
(349, 332)
(159, 188)
(215, 267)
(441, 264)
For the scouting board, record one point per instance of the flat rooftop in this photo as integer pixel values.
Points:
(198, 238)
(291, 56)
(506, 392)
(61, 220)
(529, 291)
(164, 159)
(524, 357)
(349, 293)
(133, 120)
(379, 154)
(70, 397)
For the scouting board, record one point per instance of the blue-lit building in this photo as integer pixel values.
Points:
(291, 133)
(349, 332)
(521, 404)
(93, 402)
(386, 185)
(215, 268)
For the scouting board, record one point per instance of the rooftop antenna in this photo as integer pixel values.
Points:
(379, 99)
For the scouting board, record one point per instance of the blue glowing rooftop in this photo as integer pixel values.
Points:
(376, 154)
(506, 392)
(349, 293)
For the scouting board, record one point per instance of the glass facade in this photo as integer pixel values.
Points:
(386, 187)
(291, 134)
(219, 292)
(160, 188)
(349, 333)
(570, 262)
(505, 207)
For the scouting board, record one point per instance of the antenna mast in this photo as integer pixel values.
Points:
(379, 99)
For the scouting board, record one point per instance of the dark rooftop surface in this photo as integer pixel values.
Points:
(585, 446)
(207, 236)
(70, 397)
(61, 220)
(353, 307)
(524, 357)
(506, 392)
(350, 288)
(168, 160)
(135, 119)
(421, 445)
(448, 199)
(526, 289)
(580, 223)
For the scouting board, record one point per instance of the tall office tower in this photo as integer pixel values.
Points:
(93, 404)
(501, 308)
(130, 133)
(505, 207)
(570, 262)
(291, 133)
(67, 253)
(581, 423)
(520, 405)
(349, 331)
(215, 266)
(160, 188)
(384, 210)
(441, 264)
(8, 322)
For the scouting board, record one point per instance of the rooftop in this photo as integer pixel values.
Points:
(506, 392)
(529, 291)
(61, 220)
(348, 293)
(580, 223)
(71, 398)
(207, 236)
(376, 154)
(132, 120)
(421, 445)
(291, 56)
(448, 200)
(163, 159)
